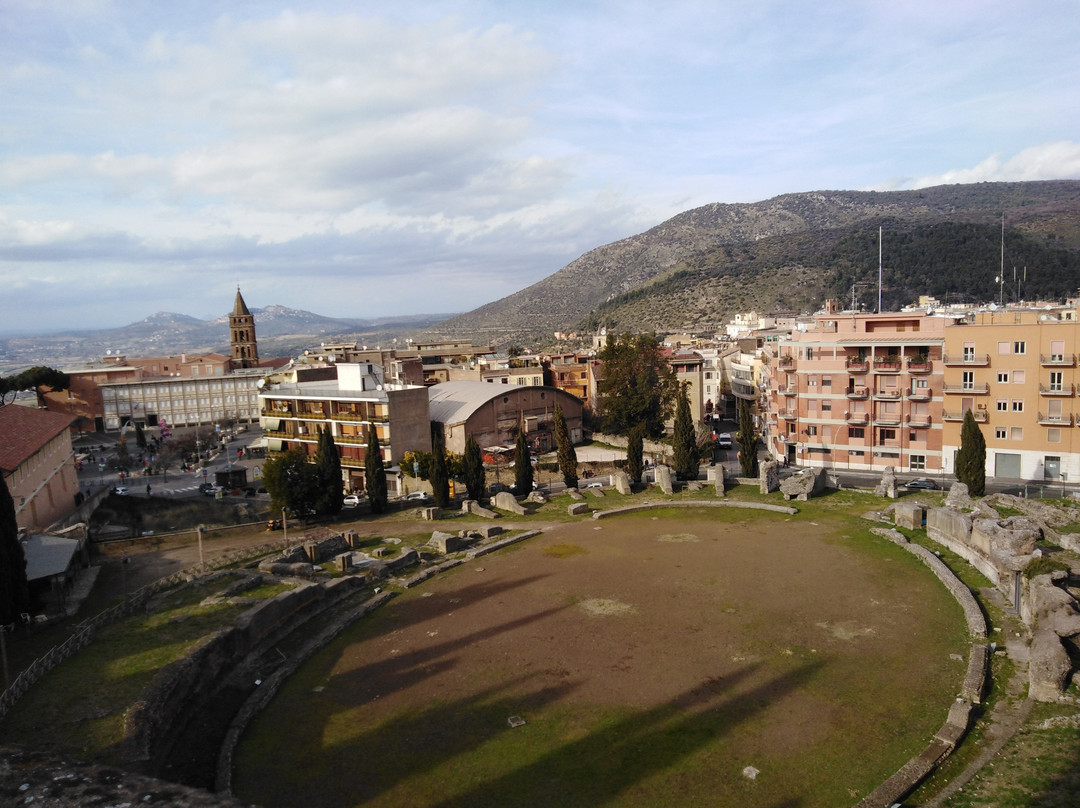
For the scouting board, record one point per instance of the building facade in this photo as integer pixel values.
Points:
(357, 401)
(1016, 371)
(494, 414)
(38, 464)
(860, 391)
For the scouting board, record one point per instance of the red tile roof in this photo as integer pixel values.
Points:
(25, 430)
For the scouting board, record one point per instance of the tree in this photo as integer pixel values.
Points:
(14, 592)
(971, 458)
(440, 476)
(748, 460)
(523, 470)
(328, 469)
(635, 452)
(291, 482)
(684, 439)
(140, 436)
(565, 448)
(637, 385)
(474, 469)
(35, 379)
(375, 473)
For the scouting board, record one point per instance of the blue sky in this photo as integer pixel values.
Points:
(364, 159)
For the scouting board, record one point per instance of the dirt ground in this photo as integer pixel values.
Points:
(651, 659)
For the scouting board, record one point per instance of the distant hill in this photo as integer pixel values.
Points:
(281, 331)
(695, 270)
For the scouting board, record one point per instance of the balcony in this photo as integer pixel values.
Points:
(1057, 360)
(350, 439)
(788, 415)
(858, 392)
(787, 362)
(887, 420)
(966, 389)
(887, 395)
(790, 391)
(967, 360)
(919, 394)
(980, 416)
(1056, 390)
(858, 365)
(917, 421)
(856, 418)
(920, 366)
(1045, 419)
(887, 364)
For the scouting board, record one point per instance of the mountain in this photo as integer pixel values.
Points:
(695, 270)
(281, 331)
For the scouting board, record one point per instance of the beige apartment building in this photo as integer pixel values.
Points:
(38, 464)
(1016, 370)
(857, 391)
(350, 405)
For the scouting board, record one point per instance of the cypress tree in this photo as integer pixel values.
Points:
(375, 473)
(748, 460)
(635, 453)
(140, 436)
(683, 440)
(971, 458)
(474, 469)
(523, 470)
(566, 452)
(14, 592)
(328, 469)
(439, 474)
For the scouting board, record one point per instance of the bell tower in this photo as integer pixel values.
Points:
(245, 349)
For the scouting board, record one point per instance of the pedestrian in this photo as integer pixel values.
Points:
(148, 489)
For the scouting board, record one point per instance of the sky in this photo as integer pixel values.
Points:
(362, 159)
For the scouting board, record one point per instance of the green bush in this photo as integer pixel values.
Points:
(1044, 565)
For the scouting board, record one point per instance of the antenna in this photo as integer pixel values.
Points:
(879, 269)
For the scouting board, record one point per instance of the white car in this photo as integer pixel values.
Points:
(595, 485)
(417, 496)
(121, 490)
(351, 501)
(723, 441)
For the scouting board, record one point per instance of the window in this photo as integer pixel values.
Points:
(967, 381)
(1019, 347)
(887, 434)
(969, 351)
(826, 381)
(918, 462)
(1053, 436)
(811, 430)
(811, 381)
(1003, 377)
(1057, 381)
(856, 453)
(1002, 405)
(1057, 350)
(856, 432)
(1018, 376)
(1016, 433)
(1000, 433)
(1003, 348)
(826, 406)
(809, 353)
(1018, 405)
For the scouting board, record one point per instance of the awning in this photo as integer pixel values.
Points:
(273, 444)
(271, 424)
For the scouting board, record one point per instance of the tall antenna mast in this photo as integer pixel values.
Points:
(1002, 298)
(879, 269)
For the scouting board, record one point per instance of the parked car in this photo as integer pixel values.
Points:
(595, 485)
(723, 441)
(351, 501)
(921, 484)
(211, 490)
(121, 490)
(205, 488)
(418, 496)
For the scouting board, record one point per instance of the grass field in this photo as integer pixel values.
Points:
(653, 659)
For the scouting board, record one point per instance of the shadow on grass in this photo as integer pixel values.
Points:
(594, 770)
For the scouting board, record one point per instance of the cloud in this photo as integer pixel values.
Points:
(1048, 161)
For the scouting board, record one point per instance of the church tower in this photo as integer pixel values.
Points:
(245, 350)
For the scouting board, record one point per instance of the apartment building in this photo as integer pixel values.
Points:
(182, 401)
(858, 391)
(357, 400)
(1016, 371)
